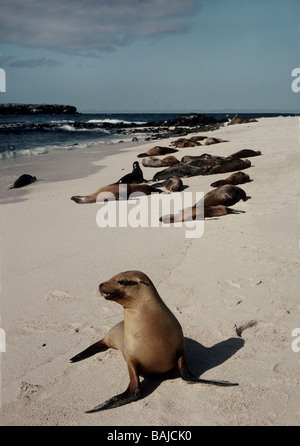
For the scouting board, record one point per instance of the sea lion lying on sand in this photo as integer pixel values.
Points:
(215, 203)
(230, 166)
(178, 170)
(156, 151)
(150, 337)
(115, 192)
(238, 120)
(157, 162)
(172, 184)
(211, 140)
(23, 180)
(235, 178)
(245, 153)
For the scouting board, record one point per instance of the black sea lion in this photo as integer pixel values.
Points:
(156, 151)
(23, 180)
(150, 337)
(115, 192)
(178, 170)
(235, 178)
(136, 176)
(245, 153)
(157, 162)
(172, 184)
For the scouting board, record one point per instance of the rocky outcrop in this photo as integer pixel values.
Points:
(35, 109)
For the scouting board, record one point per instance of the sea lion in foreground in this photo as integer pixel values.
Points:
(115, 192)
(172, 184)
(157, 162)
(235, 178)
(245, 153)
(156, 151)
(136, 176)
(23, 180)
(226, 195)
(150, 337)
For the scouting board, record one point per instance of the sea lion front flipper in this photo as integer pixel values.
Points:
(132, 393)
(118, 400)
(187, 375)
(99, 346)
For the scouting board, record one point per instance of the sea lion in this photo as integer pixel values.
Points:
(178, 170)
(115, 192)
(172, 184)
(23, 180)
(203, 160)
(229, 166)
(245, 153)
(238, 120)
(186, 143)
(211, 140)
(156, 151)
(157, 162)
(198, 213)
(150, 337)
(227, 195)
(235, 178)
(136, 176)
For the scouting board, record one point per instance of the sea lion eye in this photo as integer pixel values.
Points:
(127, 282)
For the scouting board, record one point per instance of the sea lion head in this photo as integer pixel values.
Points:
(127, 287)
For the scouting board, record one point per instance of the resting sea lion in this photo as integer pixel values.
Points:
(235, 178)
(136, 176)
(173, 184)
(115, 192)
(230, 166)
(245, 153)
(211, 140)
(194, 213)
(157, 162)
(227, 195)
(157, 150)
(178, 170)
(23, 180)
(238, 120)
(204, 159)
(150, 337)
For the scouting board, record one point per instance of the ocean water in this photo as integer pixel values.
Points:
(25, 135)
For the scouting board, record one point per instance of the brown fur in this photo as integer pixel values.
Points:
(157, 150)
(235, 178)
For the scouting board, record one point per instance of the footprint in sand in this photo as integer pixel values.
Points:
(58, 295)
(29, 391)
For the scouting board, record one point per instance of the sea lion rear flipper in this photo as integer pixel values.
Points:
(99, 346)
(187, 375)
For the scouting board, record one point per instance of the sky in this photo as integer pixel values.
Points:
(152, 55)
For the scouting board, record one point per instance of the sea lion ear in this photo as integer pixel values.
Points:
(144, 283)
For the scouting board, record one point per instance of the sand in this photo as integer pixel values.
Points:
(244, 268)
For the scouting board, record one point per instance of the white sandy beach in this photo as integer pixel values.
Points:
(245, 267)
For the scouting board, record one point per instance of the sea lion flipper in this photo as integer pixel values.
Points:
(99, 346)
(118, 400)
(187, 375)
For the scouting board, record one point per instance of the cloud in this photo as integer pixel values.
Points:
(91, 25)
(11, 61)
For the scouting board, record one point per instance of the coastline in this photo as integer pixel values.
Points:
(245, 267)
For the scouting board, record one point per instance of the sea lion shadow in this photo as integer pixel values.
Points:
(200, 359)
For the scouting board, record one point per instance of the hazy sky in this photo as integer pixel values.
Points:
(151, 55)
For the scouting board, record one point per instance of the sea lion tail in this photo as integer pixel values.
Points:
(11, 186)
(84, 199)
(142, 155)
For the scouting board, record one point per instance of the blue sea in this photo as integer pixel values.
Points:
(25, 135)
